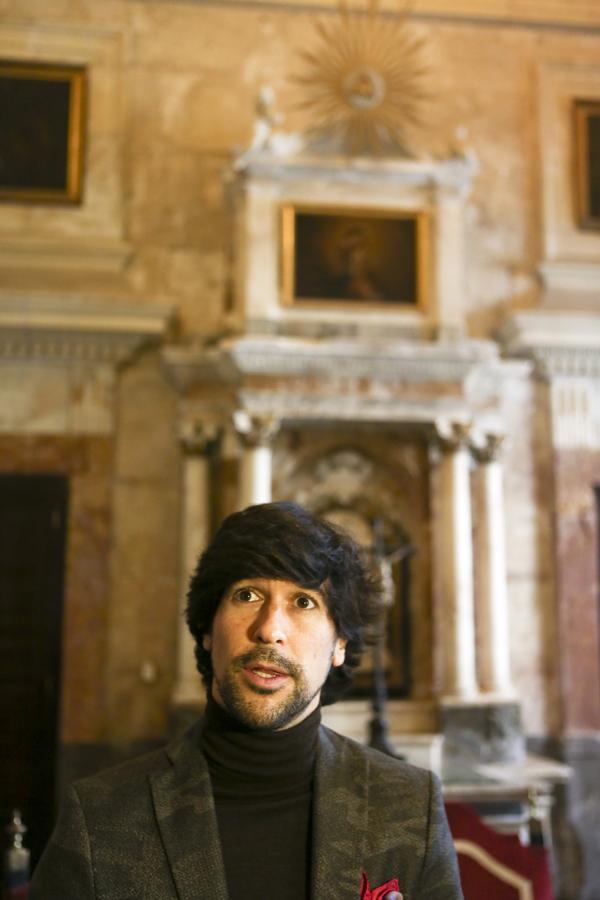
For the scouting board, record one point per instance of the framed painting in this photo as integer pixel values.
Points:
(354, 257)
(42, 109)
(587, 163)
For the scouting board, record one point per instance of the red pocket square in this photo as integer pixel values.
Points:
(376, 893)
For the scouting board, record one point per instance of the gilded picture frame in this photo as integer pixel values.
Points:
(42, 120)
(354, 257)
(587, 163)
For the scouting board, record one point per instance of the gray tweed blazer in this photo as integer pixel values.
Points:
(147, 830)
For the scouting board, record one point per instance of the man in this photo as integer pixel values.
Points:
(258, 801)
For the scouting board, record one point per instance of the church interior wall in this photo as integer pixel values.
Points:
(171, 119)
(172, 92)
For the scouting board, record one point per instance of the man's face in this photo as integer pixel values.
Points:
(272, 644)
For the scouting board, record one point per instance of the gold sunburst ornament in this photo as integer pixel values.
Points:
(365, 80)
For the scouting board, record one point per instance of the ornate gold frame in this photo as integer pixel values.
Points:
(583, 111)
(75, 77)
(289, 212)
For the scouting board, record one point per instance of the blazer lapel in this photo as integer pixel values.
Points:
(340, 819)
(185, 812)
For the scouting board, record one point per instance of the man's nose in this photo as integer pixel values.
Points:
(270, 625)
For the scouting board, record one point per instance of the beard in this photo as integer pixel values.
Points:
(264, 715)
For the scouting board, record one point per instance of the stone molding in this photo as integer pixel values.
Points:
(287, 158)
(585, 13)
(414, 383)
(572, 277)
(338, 406)
(558, 342)
(38, 328)
(565, 349)
(66, 255)
(293, 357)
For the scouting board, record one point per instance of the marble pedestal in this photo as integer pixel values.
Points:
(481, 733)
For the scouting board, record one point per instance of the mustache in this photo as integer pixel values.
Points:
(268, 657)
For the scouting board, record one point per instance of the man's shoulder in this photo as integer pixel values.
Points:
(380, 765)
(129, 775)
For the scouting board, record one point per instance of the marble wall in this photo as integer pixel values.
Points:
(577, 474)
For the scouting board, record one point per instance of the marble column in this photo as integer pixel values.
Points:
(197, 443)
(256, 464)
(492, 600)
(459, 680)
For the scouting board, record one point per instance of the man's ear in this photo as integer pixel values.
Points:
(207, 642)
(339, 652)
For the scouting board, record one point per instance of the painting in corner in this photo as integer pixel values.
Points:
(587, 163)
(42, 110)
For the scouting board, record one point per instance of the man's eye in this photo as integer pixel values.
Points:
(305, 602)
(246, 595)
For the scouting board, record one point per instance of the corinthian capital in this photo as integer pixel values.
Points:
(198, 437)
(490, 450)
(255, 430)
(453, 436)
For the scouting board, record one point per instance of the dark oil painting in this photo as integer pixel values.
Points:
(41, 132)
(369, 258)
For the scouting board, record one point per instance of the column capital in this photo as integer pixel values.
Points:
(197, 437)
(490, 451)
(255, 430)
(453, 436)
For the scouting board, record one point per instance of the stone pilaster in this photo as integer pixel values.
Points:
(198, 442)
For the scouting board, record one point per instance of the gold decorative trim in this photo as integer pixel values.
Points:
(522, 885)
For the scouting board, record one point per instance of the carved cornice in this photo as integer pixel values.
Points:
(285, 357)
(494, 13)
(288, 160)
(77, 330)
(559, 343)
(337, 407)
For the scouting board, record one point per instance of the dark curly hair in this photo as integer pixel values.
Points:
(284, 541)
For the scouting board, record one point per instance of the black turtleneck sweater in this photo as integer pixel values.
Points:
(262, 785)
